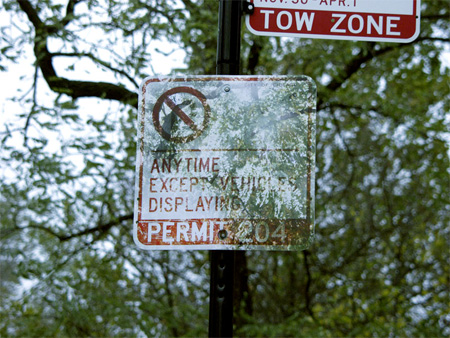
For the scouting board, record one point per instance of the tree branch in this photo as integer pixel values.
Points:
(74, 89)
(363, 57)
(434, 17)
(31, 13)
(33, 107)
(102, 228)
(306, 253)
(70, 12)
(254, 56)
(53, 29)
(101, 62)
(99, 229)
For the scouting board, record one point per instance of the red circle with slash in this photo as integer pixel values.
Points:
(165, 98)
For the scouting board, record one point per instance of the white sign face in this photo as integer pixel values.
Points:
(365, 20)
(225, 163)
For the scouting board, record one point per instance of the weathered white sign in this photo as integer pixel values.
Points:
(225, 162)
(366, 20)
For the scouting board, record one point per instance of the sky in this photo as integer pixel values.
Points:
(17, 80)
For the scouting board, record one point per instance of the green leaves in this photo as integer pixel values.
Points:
(68, 266)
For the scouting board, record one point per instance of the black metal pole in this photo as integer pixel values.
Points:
(229, 37)
(223, 261)
(221, 294)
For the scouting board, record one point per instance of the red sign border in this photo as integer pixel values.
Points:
(339, 36)
(140, 156)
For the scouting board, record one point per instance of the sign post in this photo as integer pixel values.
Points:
(222, 263)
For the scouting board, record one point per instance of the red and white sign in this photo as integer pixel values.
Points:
(225, 162)
(365, 20)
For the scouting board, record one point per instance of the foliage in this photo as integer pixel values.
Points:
(379, 262)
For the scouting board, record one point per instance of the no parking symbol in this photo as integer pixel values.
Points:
(192, 99)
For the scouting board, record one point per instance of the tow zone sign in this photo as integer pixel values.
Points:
(225, 163)
(365, 20)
